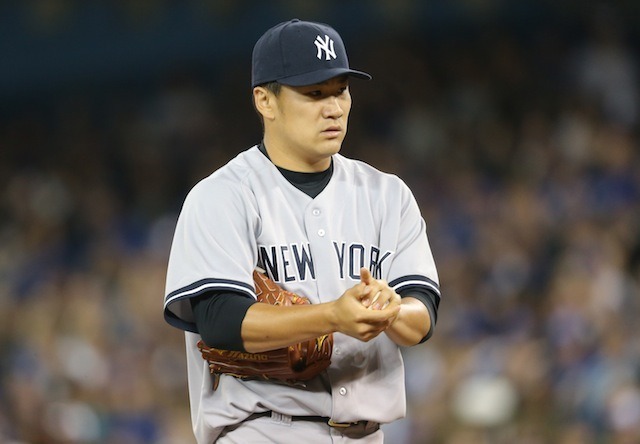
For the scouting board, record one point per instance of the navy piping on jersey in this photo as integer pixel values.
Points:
(417, 281)
(198, 288)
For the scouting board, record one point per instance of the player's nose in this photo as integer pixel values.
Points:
(333, 108)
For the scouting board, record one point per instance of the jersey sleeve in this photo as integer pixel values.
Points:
(413, 265)
(213, 248)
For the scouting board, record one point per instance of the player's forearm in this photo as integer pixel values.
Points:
(267, 327)
(411, 325)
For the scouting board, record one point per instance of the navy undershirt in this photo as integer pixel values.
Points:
(219, 314)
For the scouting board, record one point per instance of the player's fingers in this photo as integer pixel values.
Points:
(357, 296)
(373, 303)
(385, 297)
(382, 316)
(358, 290)
(365, 275)
(373, 287)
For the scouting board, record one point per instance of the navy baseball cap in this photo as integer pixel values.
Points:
(299, 53)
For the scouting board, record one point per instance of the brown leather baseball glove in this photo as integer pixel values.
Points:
(292, 364)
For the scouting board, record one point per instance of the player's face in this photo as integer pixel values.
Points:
(309, 124)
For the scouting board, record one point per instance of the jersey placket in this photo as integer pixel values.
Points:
(315, 225)
(318, 225)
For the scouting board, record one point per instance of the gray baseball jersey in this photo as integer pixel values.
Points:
(246, 214)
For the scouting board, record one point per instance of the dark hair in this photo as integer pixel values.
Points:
(274, 88)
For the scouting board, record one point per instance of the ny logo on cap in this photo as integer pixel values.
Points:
(325, 45)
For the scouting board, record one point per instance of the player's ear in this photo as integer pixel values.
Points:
(264, 101)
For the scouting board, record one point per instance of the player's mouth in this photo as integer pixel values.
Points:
(332, 131)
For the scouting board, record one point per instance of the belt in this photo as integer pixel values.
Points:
(357, 429)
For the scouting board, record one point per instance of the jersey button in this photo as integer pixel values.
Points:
(320, 232)
(316, 212)
(342, 391)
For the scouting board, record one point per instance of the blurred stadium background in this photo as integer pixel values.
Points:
(515, 122)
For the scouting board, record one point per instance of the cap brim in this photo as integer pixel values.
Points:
(311, 78)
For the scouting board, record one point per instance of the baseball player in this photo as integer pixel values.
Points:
(346, 236)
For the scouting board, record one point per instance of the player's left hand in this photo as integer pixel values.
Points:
(378, 293)
(409, 325)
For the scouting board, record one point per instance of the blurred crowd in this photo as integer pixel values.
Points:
(523, 152)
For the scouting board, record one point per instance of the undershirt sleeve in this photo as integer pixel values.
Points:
(430, 300)
(218, 318)
(219, 315)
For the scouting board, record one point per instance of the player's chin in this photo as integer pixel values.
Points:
(331, 149)
(333, 143)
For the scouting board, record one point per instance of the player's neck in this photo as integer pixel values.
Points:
(287, 160)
